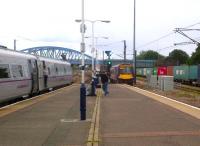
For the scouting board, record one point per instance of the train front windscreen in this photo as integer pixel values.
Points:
(126, 70)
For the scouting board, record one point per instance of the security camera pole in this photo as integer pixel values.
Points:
(82, 87)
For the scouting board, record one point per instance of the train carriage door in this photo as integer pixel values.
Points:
(45, 74)
(34, 75)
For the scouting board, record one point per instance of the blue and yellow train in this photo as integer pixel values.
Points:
(122, 73)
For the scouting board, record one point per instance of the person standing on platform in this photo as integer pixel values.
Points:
(104, 81)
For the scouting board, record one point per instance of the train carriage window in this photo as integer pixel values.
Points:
(56, 69)
(17, 71)
(4, 71)
(125, 70)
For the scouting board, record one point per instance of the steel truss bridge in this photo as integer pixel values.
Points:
(74, 57)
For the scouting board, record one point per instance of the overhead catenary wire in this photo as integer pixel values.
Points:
(163, 37)
(121, 56)
(192, 25)
(171, 46)
(156, 40)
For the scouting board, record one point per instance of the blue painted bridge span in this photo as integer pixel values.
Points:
(74, 57)
(70, 55)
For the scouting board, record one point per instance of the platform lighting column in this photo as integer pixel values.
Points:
(93, 52)
(93, 69)
(134, 51)
(93, 47)
(94, 61)
(103, 37)
(15, 48)
(82, 87)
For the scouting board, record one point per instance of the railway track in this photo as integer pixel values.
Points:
(179, 86)
(187, 88)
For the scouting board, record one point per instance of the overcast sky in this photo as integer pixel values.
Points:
(51, 22)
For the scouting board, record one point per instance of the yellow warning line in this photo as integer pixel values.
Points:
(20, 105)
(93, 137)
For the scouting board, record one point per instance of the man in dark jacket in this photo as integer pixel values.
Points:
(104, 81)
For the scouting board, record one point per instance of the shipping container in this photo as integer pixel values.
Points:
(154, 71)
(181, 73)
(144, 72)
(170, 71)
(193, 73)
(162, 71)
(139, 71)
(198, 74)
(148, 71)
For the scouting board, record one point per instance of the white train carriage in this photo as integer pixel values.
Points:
(15, 75)
(57, 73)
(23, 74)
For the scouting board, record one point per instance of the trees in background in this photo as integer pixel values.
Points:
(149, 55)
(195, 58)
(177, 57)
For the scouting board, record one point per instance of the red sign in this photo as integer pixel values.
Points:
(162, 71)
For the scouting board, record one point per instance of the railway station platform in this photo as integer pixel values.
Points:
(48, 120)
(130, 118)
(126, 117)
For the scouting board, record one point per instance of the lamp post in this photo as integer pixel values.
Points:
(82, 87)
(94, 61)
(93, 48)
(103, 37)
(134, 51)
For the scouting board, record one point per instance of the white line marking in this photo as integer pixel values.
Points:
(74, 120)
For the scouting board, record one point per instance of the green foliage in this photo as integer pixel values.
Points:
(178, 57)
(195, 58)
(149, 55)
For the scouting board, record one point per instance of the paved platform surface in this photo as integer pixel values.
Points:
(128, 118)
(53, 121)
